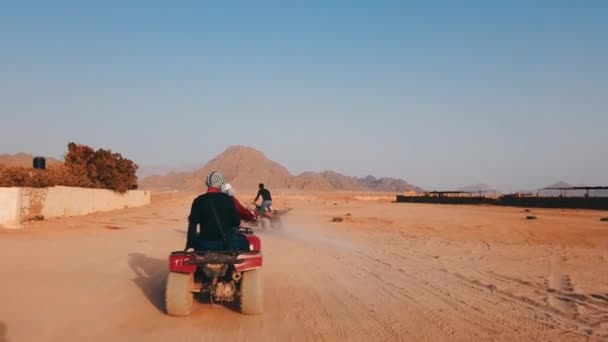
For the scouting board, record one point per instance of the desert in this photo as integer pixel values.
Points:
(389, 271)
(303, 171)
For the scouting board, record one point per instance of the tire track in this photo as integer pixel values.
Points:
(512, 312)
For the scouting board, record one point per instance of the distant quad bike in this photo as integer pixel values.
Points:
(269, 219)
(226, 276)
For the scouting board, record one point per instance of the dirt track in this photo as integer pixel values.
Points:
(388, 272)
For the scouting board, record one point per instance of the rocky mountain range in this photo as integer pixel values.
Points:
(245, 167)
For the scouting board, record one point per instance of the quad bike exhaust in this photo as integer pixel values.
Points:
(224, 291)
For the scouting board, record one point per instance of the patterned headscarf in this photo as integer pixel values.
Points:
(215, 179)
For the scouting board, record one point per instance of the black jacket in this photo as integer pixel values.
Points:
(265, 195)
(202, 214)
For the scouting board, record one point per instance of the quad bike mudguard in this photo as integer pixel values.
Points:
(188, 262)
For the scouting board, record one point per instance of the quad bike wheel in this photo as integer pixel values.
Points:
(251, 298)
(178, 294)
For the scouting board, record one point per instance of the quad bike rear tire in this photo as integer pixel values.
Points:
(178, 294)
(251, 298)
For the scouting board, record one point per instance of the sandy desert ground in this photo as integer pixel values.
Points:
(388, 272)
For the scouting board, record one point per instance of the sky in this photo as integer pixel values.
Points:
(440, 93)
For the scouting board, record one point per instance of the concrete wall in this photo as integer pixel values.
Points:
(10, 207)
(19, 205)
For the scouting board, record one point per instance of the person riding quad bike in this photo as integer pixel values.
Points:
(218, 217)
(221, 260)
(267, 217)
(266, 198)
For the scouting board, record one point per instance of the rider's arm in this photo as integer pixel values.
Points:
(193, 221)
(258, 196)
(243, 212)
(235, 218)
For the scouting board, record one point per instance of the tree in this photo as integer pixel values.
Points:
(83, 167)
(101, 168)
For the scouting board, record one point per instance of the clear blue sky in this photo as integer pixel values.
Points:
(443, 94)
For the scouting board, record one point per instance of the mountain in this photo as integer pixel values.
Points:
(331, 180)
(244, 167)
(170, 181)
(555, 193)
(570, 193)
(23, 160)
(560, 184)
(339, 181)
(156, 170)
(387, 184)
(478, 187)
(310, 181)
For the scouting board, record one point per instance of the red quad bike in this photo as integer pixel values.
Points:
(226, 276)
(269, 219)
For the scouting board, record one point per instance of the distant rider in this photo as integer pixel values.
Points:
(266, 198)
(218, 218)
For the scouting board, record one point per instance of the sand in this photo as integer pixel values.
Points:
(387, 272)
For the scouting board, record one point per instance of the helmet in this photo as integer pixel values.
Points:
(214, 179)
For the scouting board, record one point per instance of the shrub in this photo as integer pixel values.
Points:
(83, 167)
(101, 168)
(21, 176)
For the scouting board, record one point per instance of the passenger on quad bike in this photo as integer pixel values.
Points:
(246, 214)
(217, 215)
(266, 198)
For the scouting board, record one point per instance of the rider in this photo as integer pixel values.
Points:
(218, 218)
(246, 215)
(266, 198)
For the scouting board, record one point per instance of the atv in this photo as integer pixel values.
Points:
(269, 218)
(226, 276)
